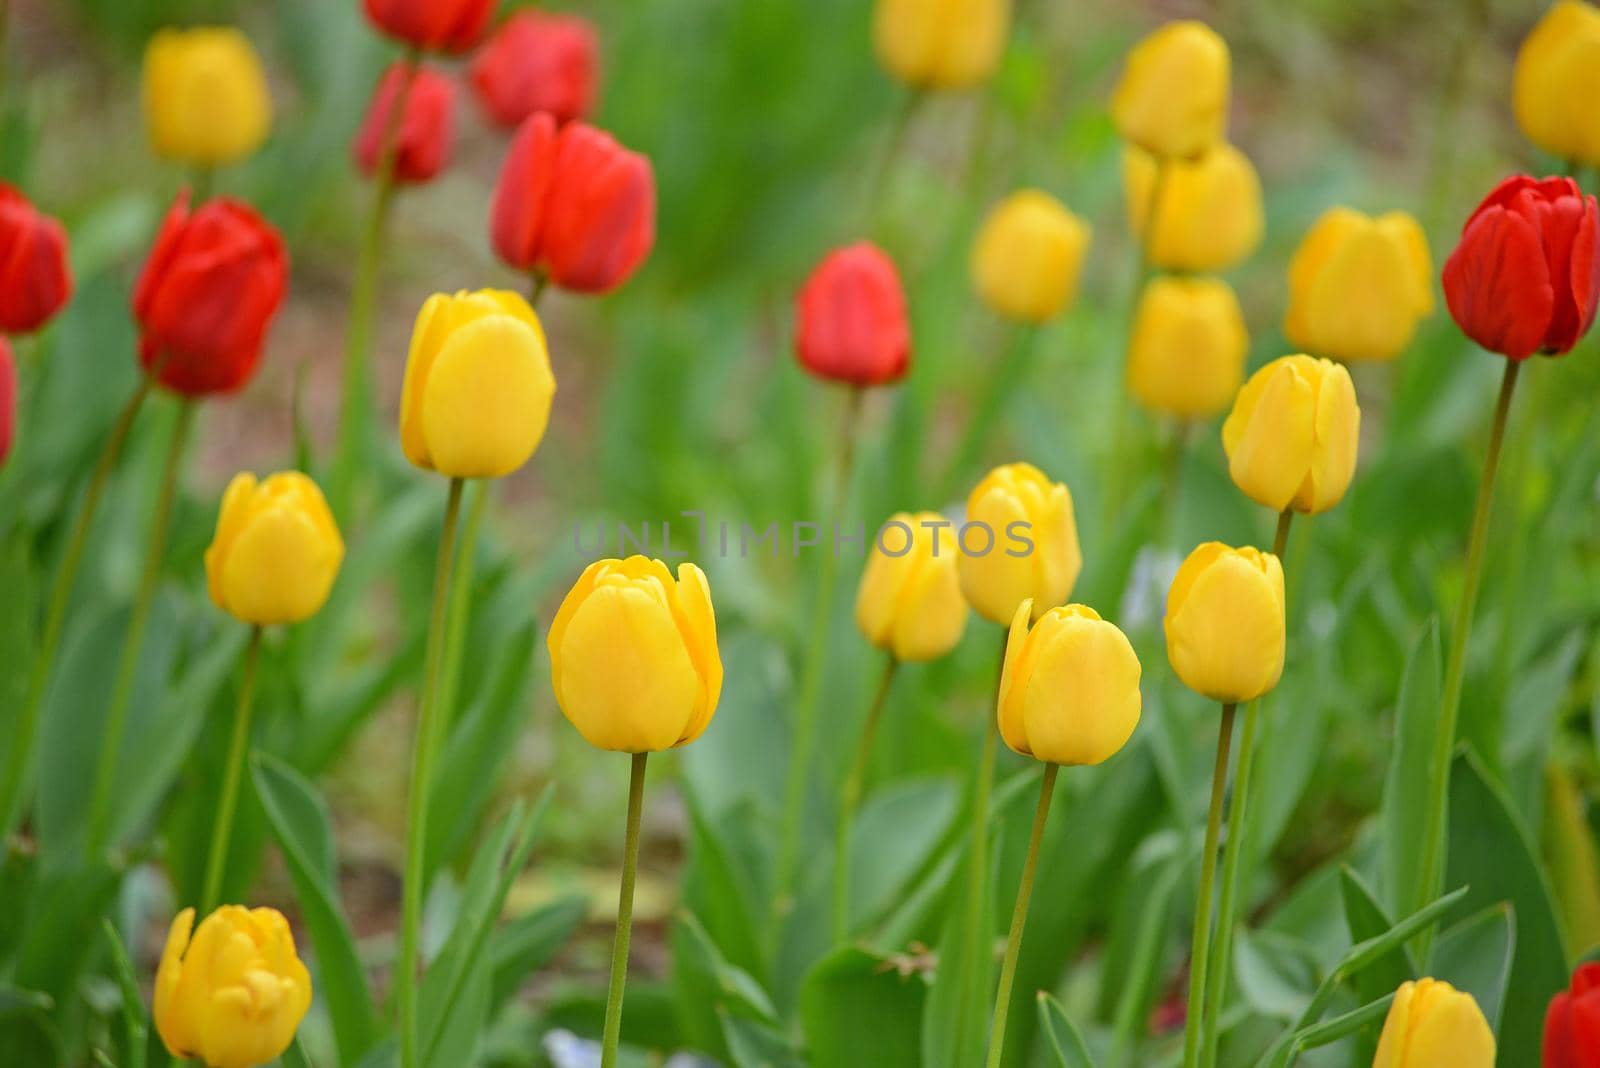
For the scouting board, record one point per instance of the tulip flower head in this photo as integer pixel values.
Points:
(1358, 286)
(1557, 80)
(35, 277)
(909, 602)
(276, 551)
(8, 399)
(1526, 275)
(478, 385)
(1028, 255)
(233, 996)
(1208, 215)
(1172, 99)
(1292, 436)
(940, 44)
(1433, 1025)
(1186, 356)
(633, 655)
(850, 318)
(1225, 622)
(425, 136)
(1572, 1022)
(206, 102)
(538, 62)
(1035, 555)
(432, 25)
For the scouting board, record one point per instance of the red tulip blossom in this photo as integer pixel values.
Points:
(1572, 1022)
(8, 399)
(35, 279)
(852, 324)
(538, 62)
(425, 135)
(433, 25)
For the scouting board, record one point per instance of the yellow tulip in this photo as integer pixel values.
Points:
(205, 96)
(941, 44)
(478, 385)
(276, 550)
(1172, 99)
(633, 655)
(1433, 1025)
(909, 602)
(1034, 553)
(232, 997)
(1556, 82)
(1359, 285)
(1028, 255)
(1208, 214)
(1186, 356)
(1292, 436)
(1225, 622)
(1069, 690)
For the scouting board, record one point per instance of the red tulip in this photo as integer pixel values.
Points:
(427, 131)
(538, 62)
(8, 399)
(852, 318)
(1526, 274)
(573, 205)
(1572, 1023)
(434, 25)
(35, 280)
(207, 294)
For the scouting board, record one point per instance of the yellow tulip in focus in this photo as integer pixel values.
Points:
(1186, 356)
(1028, 255)
(1433, 1025)
(633, 655)
(234, 995)
(1359, 285)
(941, 44)
(910, 602)
(1035, 543)
(1556, 83)
(1208, 215)
(1225, 622)
(1172, 99)
(1069, 690)
(478, 385)
(1292, 436)
(205, 96)
(276, 550)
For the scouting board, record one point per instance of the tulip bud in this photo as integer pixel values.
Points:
(1035, 548)
(205, 97)
(276, 550)
(35, 278)
(1557, 80)
(940, 44)
(573, 205)
(1172, 99)
(850, 318)
(1292, 436)
(207, 295)
(478, 385)
(234, 996)
(432, 25)
(1433, 1025)
(426, 134)
(910, 602)
(1225, 622)
(1572, 1022)
(1028, 255)
(538, 62)
(1187, 352)
(633, 655)
(1208, 217)
(1359, 285)
(8, 399)
(1069, 690)
(1526, 276)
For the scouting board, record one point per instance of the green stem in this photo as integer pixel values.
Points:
(1199, 955)
(619, 947)
(13, 781)
(460, 610)
(976, 924)
(202, 183)
(1003, 381)
(1172, 475)
(422, 757)
(1019, 918)
(851, 798)
(877, 180)
(116, 721)
(228, 801)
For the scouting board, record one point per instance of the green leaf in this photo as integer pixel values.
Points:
(718, 884)
(704, 984)
(1403, 816)
(1475, 956)
(1061, 1037)
(753, 1044)
(1367, 919)
(858, 1008)
(894, 833)
(955, 1022)
(133, 1011)
(527, 943)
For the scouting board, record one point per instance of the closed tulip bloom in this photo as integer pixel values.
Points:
(1069, 690)
(207, 295)
(538, 62)
(478, 385)
(850, 318)
(941, 44)
(1557, 80)
(433, 25)
(1572, 1022)
(1186, 356)
(1035, 553)
(426, 135)
(276, 551)
(1292, 436)
(35, 277)
(8, 399)
(1172, 99)
(1225, 622)
(205, 96)
(1431, 1024)
(909, 602)
(233, 996)
(573, 205)
(1209, 214)
(1526, 274)
(1029, 252)
(1358, 285)
(633, 655)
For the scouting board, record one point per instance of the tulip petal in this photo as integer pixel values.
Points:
(1498, 286)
